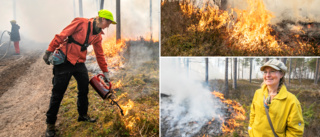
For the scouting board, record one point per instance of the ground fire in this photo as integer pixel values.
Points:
(250, 31)
(230, 117)
(115, 52)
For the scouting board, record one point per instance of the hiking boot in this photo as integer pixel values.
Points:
(86, 118)
(50, 132)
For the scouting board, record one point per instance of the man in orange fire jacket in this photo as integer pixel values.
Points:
(69, 41)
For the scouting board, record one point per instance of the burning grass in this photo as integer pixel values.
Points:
(231, 117)
(137, 91)
(192, 31)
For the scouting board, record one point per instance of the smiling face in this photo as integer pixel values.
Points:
(271, 77)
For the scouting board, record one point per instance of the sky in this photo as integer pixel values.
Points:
(40, 20)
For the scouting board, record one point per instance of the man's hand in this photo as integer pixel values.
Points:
(106, 76)
(46, 57)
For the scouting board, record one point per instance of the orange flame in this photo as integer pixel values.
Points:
(127, 107)
(239, 113)
(117, 84)
(247, 29)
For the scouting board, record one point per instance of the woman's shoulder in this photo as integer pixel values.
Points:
(292, 98)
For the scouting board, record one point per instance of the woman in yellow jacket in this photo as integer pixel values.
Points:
(282, 106)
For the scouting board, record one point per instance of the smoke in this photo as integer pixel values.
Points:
(41, 20)
(190, 101)
(295, 10)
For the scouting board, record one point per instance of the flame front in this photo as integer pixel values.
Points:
(239, 113)
(248, 29)
(113, 50)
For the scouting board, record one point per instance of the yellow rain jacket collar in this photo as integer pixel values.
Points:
(283, 93)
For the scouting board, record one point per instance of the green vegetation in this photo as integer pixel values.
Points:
(140, 85)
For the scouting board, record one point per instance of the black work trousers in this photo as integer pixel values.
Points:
(62, 75)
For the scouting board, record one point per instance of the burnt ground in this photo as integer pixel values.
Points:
(25, 83)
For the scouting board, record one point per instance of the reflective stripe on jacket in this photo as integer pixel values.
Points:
(78, 29)
(285, 113)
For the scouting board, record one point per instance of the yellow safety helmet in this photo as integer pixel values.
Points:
(13, 21)
(107, 15)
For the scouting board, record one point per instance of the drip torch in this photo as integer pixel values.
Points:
(104, 89)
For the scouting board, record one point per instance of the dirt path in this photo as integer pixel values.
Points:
(25, 96)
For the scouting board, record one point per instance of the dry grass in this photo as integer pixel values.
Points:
(139, 84)
(184, 33)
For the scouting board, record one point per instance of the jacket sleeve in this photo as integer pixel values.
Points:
(98, 50)
(252, 114)
(252, 110)
(295, 123)
(67, 31)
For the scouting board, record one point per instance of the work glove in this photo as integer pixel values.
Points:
(106, 77)
(46, 57)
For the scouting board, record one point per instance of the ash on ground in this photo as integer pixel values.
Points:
(170, 126)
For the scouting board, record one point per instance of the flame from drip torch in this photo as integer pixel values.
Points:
(127, 107)
(117, 84)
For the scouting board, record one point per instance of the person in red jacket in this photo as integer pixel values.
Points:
(15, 36)
(72, 42)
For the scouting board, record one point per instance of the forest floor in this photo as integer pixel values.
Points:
(307, 93)
(25, 91)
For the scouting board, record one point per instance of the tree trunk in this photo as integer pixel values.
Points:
(242, 68)
(284, 60)
(150, 20)
(101, 4)
(231, 68)
(207, 69)
(250, 75)
(235, 73)
(80, 9)
(187, 67)
(226, 79)
(290, 69)
(118, 29)
(238, 69)
(317, 72)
